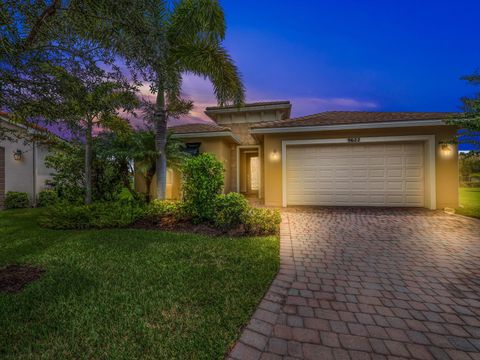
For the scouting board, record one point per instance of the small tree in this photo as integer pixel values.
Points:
(203, 180)
(67, 161)
(469, 121)
(86, 101)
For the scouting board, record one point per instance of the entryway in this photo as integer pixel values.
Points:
(248, 170)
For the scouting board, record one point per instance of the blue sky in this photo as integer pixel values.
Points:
(351, 55)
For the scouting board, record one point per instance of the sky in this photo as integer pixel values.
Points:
(375, 55)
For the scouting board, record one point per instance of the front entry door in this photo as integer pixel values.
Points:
(253, 172)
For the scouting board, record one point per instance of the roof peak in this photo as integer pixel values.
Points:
(247, 105)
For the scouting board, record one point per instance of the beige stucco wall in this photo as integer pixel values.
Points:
(252, 117)
(25, 175)
(446, 167)
(216, 146)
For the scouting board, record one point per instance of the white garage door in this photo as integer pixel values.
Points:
(379, 174)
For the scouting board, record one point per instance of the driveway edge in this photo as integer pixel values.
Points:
(255, 335)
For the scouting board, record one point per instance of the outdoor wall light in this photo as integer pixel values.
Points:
(17, 155)
(446, 150)
(274, 155)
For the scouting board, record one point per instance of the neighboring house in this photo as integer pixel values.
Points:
(22, 166)
(337, 158)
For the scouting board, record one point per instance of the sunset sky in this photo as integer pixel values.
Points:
(350, 55)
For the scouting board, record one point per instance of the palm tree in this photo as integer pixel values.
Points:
(145, 155)
(134, 151)
(190, 35)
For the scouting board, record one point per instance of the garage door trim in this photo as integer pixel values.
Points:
(429, 141)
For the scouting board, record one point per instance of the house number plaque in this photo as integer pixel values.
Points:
(354, 140)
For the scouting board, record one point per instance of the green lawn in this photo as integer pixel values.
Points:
(470, 200)
(129, 294)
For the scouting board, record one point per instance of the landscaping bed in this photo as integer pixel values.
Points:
(170, 223)
(13, 278)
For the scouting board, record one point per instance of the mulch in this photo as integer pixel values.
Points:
(171, 224)
(13, 278)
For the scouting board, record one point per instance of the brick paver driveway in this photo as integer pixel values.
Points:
(371, 283)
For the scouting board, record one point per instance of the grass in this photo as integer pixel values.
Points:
(129, 294)
(470, 201)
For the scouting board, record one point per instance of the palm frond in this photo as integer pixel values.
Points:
(194, 19)
(209, 59)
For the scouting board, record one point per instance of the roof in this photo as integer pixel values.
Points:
(6, 116)
(355, 117)
(30, 125)
(203, 130)
(197, 128)
(247, 105)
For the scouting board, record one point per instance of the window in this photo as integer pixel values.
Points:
(193, 148)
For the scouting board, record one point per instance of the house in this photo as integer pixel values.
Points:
(335, 158)
(22, 163)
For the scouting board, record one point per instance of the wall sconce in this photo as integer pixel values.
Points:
(274, 155)
(17, 155)
(446, 150)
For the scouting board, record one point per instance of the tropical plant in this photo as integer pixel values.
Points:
(95, 216)
(87, 101)
(53, 60)
(36, 35)
(47, 198)
(67, 162)
(16, 200)
(230, 210)
(189, 39)
(134, 152)
(202, 182)
(262, 221)
(469, 120)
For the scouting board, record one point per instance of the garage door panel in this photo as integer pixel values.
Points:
(394, 160)
(394, 173)
(342, 173)
(413, 148)
(389, 174)
(376, 173)
(413, 160)
(360, 173)
(414, 172)
(414, 200)
(376, 160)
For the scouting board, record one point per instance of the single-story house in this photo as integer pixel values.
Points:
(22, 164)
(334, 158)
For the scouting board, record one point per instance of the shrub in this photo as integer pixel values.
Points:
(96, 216)
(47, 198)
(16, 200)
(261, 221)
(202, 182)
(230, 210)
(161, 208)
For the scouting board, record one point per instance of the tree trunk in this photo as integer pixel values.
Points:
(88, 163)
(160, 120)
(148, 184)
